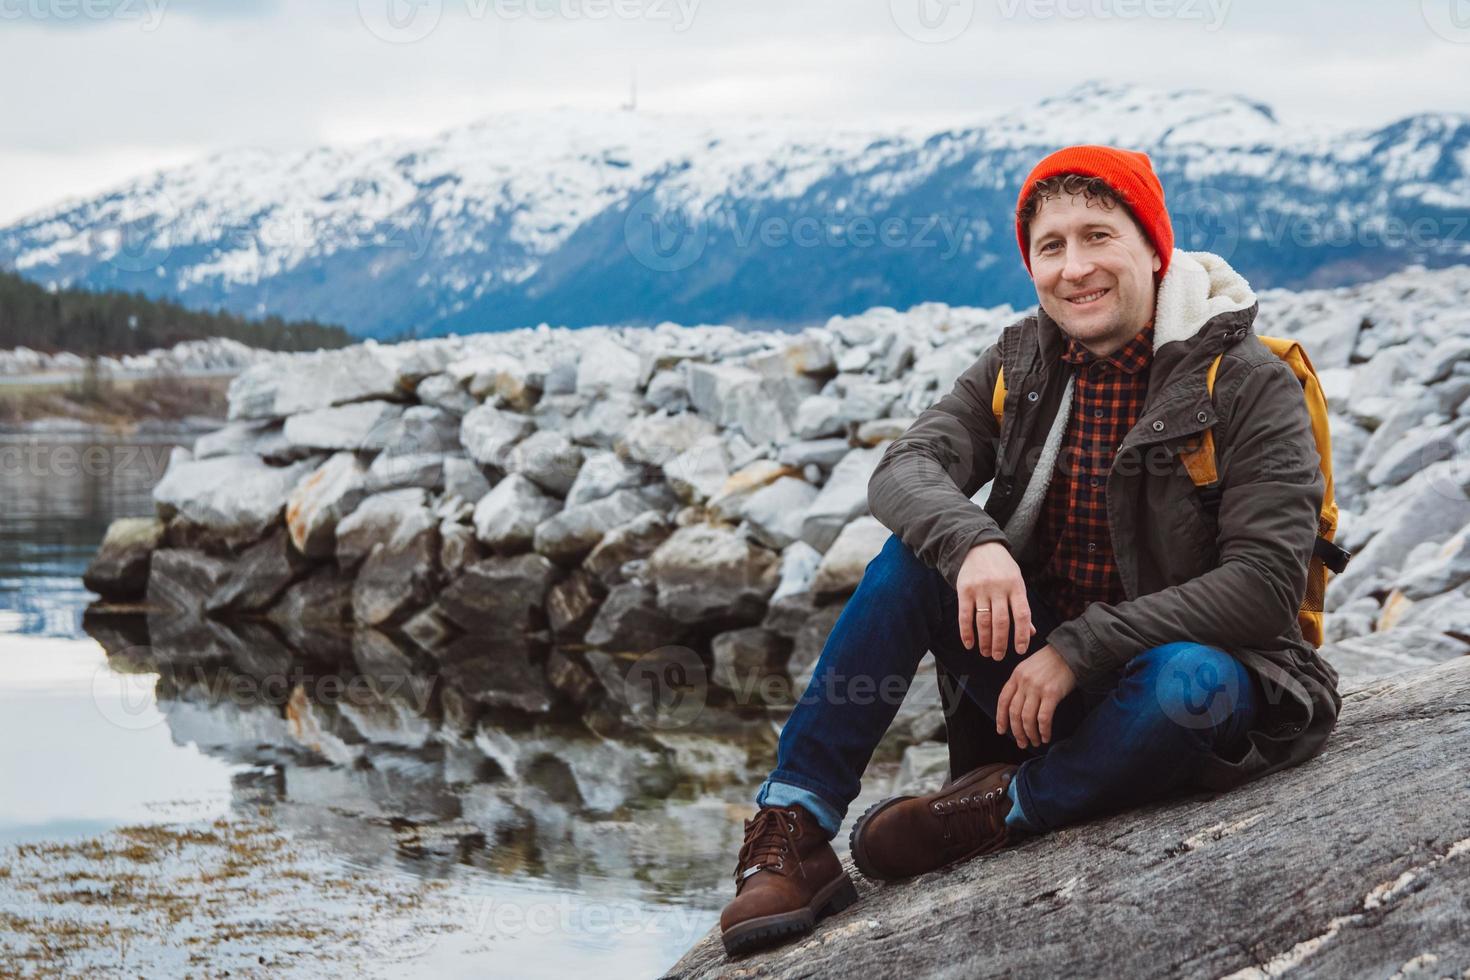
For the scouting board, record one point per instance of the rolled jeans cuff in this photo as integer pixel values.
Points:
(776, 793)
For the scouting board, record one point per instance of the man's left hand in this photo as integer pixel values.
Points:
(1030, 698)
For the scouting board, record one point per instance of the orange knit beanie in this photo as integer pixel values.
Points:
(1130, 174)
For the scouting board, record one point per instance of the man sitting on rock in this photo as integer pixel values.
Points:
(1133, 643)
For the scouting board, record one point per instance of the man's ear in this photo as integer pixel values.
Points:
(1158, 262)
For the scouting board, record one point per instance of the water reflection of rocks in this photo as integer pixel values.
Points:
(363, 739)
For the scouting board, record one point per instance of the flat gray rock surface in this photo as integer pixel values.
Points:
(1355, 864)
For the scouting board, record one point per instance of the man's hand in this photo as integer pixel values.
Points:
(991, 592)
(1030, 698)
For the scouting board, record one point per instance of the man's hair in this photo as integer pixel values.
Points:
(1092, 188)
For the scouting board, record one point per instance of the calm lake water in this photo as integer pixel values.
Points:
(566, 852)
(576, 854)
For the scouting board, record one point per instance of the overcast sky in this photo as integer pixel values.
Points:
(97, 91)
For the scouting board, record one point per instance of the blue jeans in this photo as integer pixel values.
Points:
(1172, 706)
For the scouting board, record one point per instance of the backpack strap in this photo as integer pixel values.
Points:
(1199, 460)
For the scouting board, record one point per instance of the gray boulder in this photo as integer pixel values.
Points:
(774, 513)
(119, 570)
(1440, 362)
(708, 574)
(655, 439)
(311, 381)
(751, 664)
(825, 453)
(668, 390)
(1362, 659)
(567, 536)
(818, 416)
(602, 473)
(314, 614)
(401, 514)
(549, 460)
(319, 502)
(488, 434)
(843, 498)
(698, 473)
(464, 479)
(361, 426)
(572, 603)
(259, 575)
(1429, 506)
(391, 472)
(254, 438)
(506, 517)
(843, 565)
(729, 503)
(607, 366)
(605, 419)
(1446, 569)
(398, 574)
(443, 391)
(630, 619)
(628, 542)
(1417, 449)
(500, 596)
(235, 498)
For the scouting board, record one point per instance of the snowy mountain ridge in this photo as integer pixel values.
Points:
(582, 217)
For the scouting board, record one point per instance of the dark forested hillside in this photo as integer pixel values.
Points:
(115, 323)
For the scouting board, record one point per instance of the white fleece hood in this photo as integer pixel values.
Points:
(1198, 287)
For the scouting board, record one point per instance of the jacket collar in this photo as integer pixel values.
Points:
(1198, 287)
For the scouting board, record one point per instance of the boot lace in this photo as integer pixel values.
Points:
(972, 818)
(769, 838)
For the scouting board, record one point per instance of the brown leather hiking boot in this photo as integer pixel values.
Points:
(786, 878)
(906, 836)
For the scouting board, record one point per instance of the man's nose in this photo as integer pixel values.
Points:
(1077, 266)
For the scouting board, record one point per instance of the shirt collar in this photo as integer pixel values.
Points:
(1131, 358)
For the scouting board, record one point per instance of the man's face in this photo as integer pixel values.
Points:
(1080, 248)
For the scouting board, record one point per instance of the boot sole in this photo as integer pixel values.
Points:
(855, 842)
(771, 930)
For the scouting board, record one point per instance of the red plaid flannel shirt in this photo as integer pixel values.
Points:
(1073, 524)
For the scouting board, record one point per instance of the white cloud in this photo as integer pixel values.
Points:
(116, 98)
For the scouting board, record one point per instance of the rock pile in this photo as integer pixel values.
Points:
(214, 354)
(547, 515)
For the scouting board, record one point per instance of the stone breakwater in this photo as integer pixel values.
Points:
(590, 522)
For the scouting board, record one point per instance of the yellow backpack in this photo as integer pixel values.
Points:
(1199, 460)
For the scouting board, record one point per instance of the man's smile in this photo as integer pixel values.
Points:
(1087, 299)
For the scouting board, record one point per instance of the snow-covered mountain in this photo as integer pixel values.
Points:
(576, 217)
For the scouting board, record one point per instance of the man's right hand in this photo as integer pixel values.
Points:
(992, 594)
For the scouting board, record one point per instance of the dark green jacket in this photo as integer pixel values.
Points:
(1237, 587)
